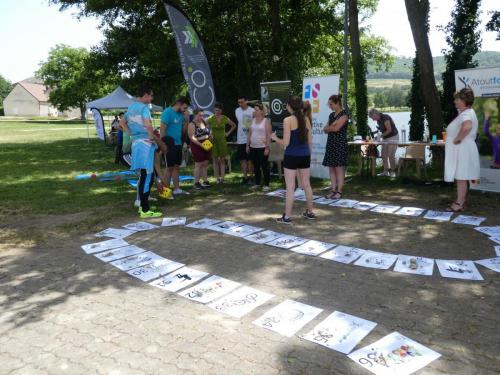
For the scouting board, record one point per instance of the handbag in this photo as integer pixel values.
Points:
(207, 145)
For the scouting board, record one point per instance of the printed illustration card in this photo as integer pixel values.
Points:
(365, 206)
(345, 203)
(241, 301)
(495, 239)
(343, 254)
(286, 242)
(288, 317)
(469, 220)
(244, 230)
(210, 289)
(340, 332)
(104, 245)
(140, 226)
(492, 263)
(414, 265)
(173, 221)
(438, 215)
(224, 227)
(180, 279)
(394, 354)
(155, 269)
(115, 233)
(202, 223)
(385, 209)
(458, 269)
(312, 247)
(489, 231)
(263, 237)
(374, 259)
(303, 198)
(410, 211)
(326, 201)
(280, 193)
(136, 260)
(120, 252)
(497, 251)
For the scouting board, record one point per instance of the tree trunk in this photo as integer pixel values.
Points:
(279, 72)
(416, 11)
(83, 111)
(359, 69)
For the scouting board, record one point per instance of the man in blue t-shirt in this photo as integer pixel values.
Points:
(173, 126)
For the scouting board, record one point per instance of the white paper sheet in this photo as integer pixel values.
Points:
(115, 233)
(241, 301)
(224, 226)
(302, 197)
(374, 259)
(326, 201)
(104, 245)
(410, 211)
(121, 252)
(140, 226)
(495, 239)
(394, 354)
(312, 247)
(385, 209)
(458, 269)
(414, 265)
(286, 242)
(280, 193)
(288, 317)
(180, 279)
(365, 206)
(345, 203)
(438, 215)
(202, 223)
(469, 220)
(136, 260)
(155, 270)
(173, 221)
(210, 289)
(244, 230)
(489, 231)
(492, 263)
(343, 254)
(497, 251)
(263, 237)
(340, 332)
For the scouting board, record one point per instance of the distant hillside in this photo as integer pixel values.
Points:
(402, 68)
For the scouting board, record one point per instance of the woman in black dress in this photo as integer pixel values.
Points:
(336, 146)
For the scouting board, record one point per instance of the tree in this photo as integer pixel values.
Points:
(464, 42)
(416, 103)
(494, 23)
(72, 78)
(5, 88)
(417, 11)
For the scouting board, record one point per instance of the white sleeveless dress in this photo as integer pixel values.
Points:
(462, 160)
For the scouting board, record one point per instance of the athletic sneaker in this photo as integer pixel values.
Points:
(308, 215)
(265, 189)
(206, 184)
(149, 214)
(298, 192)
(392, 174)
(198, 186)
(384, 174)
(180, 192)
(284, 220)
(151, 208)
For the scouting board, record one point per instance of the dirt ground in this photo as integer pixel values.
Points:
(65, 312)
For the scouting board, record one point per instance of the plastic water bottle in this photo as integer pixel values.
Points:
(403, 135)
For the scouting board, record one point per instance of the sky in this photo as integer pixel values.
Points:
(30, 28)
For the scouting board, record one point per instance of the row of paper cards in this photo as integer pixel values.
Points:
(393, 354)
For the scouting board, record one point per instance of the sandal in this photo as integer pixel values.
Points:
(333, 195)
(455, 204)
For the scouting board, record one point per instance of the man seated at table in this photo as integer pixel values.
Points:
(390, 137)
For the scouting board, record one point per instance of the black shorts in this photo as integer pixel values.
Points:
(242, 152)
(174, 155)
(297, 162)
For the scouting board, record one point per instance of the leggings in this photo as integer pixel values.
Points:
(144, 188)
(260, 162)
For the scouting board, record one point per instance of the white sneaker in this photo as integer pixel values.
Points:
(137, 203)
(180, 192)
(393, 174)
(384, 174)
(298, 192)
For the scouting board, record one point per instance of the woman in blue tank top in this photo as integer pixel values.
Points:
(297, 141)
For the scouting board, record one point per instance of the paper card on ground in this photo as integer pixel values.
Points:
(497, 251)
(374, 259)
(469, 220)
(489, 231)
(414, 265)
(136, 260)
(286, 242)
(140, 226)
(385, 209)
(173, 221)
(155, 270)
(312, 247)
(288, 317)
(115, 233)
(263, 237)
(180, 279)
(323, 200)
(241, 301)
(343, 254)
(224, 226)
(364, 206)
(458, 269)
(495, 239)
(438, 215)
(492, 263)
(345, 203)
(244, 230)
(303, 197)
(202, 223)
(280, 193)
(340, 332)
(394, 354)
(210, 289)
(97, 247)
(121, 252)
(410, 211)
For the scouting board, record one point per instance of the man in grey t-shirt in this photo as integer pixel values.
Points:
(390, 135)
